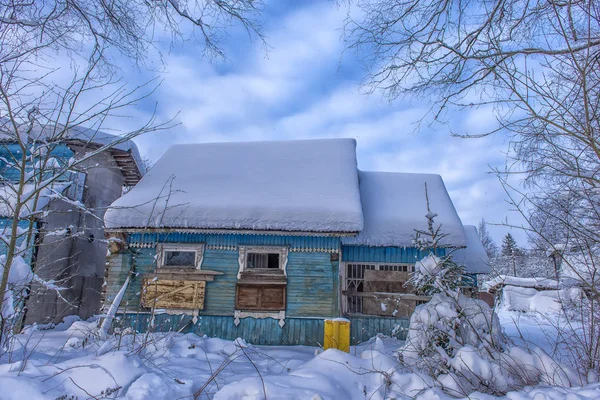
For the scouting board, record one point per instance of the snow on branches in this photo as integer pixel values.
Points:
(458, 340)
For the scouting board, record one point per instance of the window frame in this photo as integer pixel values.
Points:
(162, 248)
(243, 251)
(283, 252)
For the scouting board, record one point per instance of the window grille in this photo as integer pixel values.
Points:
(355, 281)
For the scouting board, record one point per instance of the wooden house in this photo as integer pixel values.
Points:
(68, 247)
(265, 240)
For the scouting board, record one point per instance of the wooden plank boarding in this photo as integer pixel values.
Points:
(168, 293)
(253, 297)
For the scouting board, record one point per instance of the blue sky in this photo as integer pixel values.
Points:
(305, 86)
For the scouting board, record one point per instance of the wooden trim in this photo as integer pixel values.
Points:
(187, 275)
(243, 257)
(280, 315)
(231, 231)
(162, 247)
(378, 295)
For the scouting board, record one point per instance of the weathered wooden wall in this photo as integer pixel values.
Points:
(312, 281)
(296, 331)
(312, 287)
(384, 254)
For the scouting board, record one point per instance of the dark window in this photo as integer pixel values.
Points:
(185, 259)
(262, 260)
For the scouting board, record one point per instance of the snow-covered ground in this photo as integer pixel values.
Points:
(67, 363)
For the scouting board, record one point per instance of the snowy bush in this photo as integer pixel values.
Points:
(458, 341)
(435, 274)
(20, 275)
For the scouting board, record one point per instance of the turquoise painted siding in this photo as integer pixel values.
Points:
(296, 331)
(312, 289)
(23, 224)
(13, 153)
(220, 294)
(383, 254)
(316, 242)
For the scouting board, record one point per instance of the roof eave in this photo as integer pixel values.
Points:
(230, 231)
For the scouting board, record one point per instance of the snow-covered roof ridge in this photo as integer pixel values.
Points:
(473, 257)
(394, 205)
(506, 280)
(299, 185)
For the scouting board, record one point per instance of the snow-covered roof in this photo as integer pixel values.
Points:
(125, 153)
(394, 205)
(534, 283)
(473, 257)
(302, 186)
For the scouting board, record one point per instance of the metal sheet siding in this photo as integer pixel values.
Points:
(383, 254)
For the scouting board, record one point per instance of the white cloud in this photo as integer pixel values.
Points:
(303, 90)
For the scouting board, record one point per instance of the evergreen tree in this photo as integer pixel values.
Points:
(511, 252)
(509, 245)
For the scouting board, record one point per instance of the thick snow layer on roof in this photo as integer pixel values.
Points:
(308, 185)
(394, 205)
(534, 283)
(473, 257)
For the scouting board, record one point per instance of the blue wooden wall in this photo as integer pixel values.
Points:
(312, 289)
(5, 225)
(296, 331)
(12, 153)
(323, 243)
(384, 254)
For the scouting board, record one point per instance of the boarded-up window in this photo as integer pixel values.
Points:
(255, 297)
(173, 294)
(385, 281)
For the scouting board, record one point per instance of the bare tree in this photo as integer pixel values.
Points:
(536, 66)
(58, 83)
(491, 249)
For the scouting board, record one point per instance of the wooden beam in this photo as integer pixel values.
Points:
(383, 295)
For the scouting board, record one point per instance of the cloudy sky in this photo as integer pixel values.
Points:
(305, 86)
